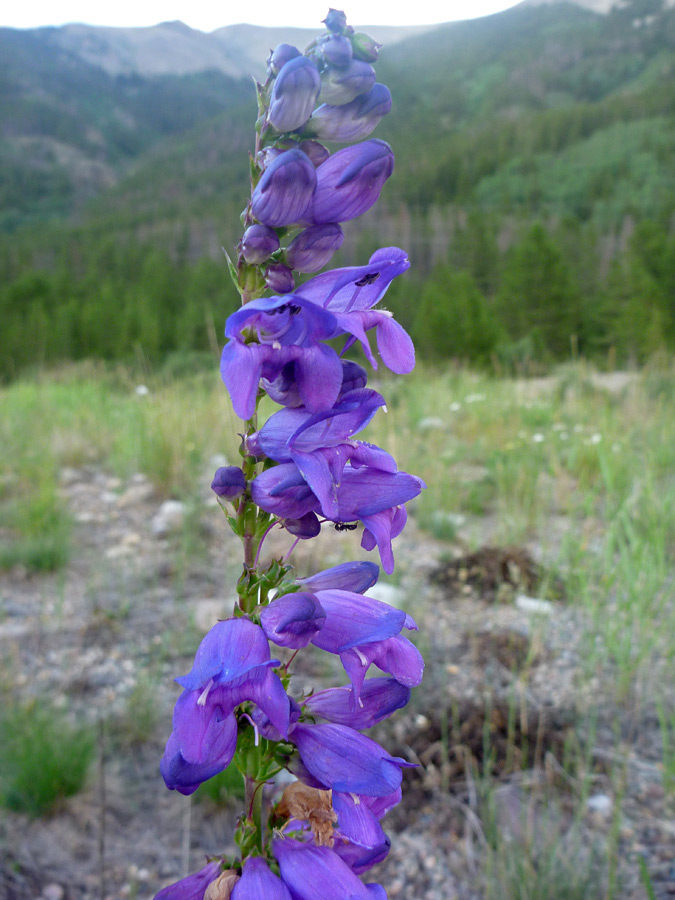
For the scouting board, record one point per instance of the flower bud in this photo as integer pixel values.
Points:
(316, 151)
(281, 54)
(350, 182)
(351, 121)
(312, 248)
(336, 50)
(258, 243)
(228, 482)
(294, 94)
(340, 86)
(279, 278)
(364, 47)
(335, 21)
(285, 191)
(305, 528)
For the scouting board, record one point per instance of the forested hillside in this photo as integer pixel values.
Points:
(534, 190)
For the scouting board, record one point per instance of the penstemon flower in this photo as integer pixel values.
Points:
(304, 469)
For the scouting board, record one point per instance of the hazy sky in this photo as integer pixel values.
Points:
(208, 15)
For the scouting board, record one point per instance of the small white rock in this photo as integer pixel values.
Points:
(168, 518)
(534, 604)
(600, 803)
(386, 593)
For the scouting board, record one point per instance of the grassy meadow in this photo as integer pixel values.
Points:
(576, 465)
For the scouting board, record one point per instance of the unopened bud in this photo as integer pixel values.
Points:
(336, 50)
(315, 151)
(285, 190)
(352, 121)
(340, 86)
(294, 94)
(281, 54)
(258, 243)
(335, 21)
(279, 278)
(349, 183)
(364, 47)
(313, 247)
(228, 482)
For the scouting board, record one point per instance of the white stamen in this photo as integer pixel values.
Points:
(276, 345)
(205, 693)
(355, 798)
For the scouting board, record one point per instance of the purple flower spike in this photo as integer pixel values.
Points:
(313, 247)
(345, 760)
(258, 243)
(341, 85)
(293, 620)
(348, 183)
(228, 482)
(279, 278)
(352, 121)
(258, 882)
(285, 192)
(351, 576)
(379, 698)
(318, 873)
(294, 94)
(192, 887)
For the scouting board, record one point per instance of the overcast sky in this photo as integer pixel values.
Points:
(208, 15)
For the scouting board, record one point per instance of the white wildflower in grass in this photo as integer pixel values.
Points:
(474, 398)
(537, 437)
(595, 438)
(563, 435)
(455, 406)
(142, 390)
(578, 428)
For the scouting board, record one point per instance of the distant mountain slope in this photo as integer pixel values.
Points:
(172, 48)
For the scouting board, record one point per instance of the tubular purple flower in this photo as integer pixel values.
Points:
(349, 183)
(310, 250)
(294, 94)
(345, 760)
(352, 121)
(232, 665)
(228, 482)
(279, 278)
(285, 191)
(341, 85)
(288, 333)
(258, 243)
(379, 698)
(354, 619)
(258, 882)
(192, 887)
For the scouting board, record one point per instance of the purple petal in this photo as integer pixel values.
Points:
(349, 182)
(240, 369)
(397, 656)
(293, 620)
(294, 94)
(230, 650)
(379, 698)
(356, 821)
(361, 859)
(316, 873)
(284, 492)
(351, 576)
(286, 190)
(345, 760)
(192, 887)
(258, 882)
(319, 375)
(352, 620)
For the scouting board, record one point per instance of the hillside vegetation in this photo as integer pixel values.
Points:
(534, 191)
